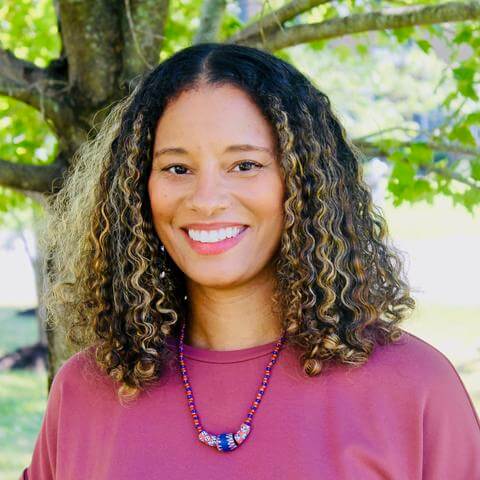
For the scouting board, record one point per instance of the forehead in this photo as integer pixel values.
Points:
(207, 112)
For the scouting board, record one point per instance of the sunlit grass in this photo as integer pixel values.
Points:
(23, 397)
(16, 330)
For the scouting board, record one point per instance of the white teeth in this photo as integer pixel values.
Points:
(212, 236)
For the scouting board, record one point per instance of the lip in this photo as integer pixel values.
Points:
(216, 247)
(212, 226)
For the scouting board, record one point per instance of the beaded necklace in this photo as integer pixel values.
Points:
(225, 442)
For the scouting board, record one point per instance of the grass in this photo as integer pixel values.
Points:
(16, 330)
(23, 397)
(22, 403)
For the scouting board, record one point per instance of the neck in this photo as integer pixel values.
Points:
(231, 320)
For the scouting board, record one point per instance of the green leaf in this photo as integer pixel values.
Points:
(230, 24)
(424, 45)
(463, 134)
(331, 12)
(422, 190)
(472, 118)
(343, 52)
(471, 198)
(421, 153)
(362, 49)
(397, 156)
(404, 172)
(392, 145)
(318, 45)
(464, 73)
(467, 90)
(448, 99)
(475, 43)
(475, 169)
(403, 34)
(463, 36)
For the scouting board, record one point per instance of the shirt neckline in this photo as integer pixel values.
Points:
(222, 356)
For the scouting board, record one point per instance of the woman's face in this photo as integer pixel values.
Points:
(215, 164)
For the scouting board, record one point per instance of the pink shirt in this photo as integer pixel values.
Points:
(405, 414)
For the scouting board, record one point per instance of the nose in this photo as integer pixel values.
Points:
(209, 193)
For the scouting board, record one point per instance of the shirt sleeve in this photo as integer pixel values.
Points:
(451, 428)
(43, 463)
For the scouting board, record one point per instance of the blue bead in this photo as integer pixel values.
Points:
(223, 442)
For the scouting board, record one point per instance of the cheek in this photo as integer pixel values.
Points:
(268, 199)
(160, 210)
(276, 199)
(160, 200)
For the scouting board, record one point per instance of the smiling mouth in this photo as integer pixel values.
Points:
(215, 247)
(239, 232)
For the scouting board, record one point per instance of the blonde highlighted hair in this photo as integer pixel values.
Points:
(112, 285)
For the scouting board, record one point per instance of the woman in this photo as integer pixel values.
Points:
(219, 266)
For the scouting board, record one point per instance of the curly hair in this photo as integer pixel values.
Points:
(111, 285)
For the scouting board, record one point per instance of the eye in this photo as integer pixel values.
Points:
(183, 169)
(167, 169)
(247, 162)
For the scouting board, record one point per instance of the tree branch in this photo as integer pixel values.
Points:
(374, 150)
(44, 89)
(210, 20)
(143, 27)
(371, 150)
(447, 173)
(38, 87)
(337, 27)
(275, 19)
(37, 178)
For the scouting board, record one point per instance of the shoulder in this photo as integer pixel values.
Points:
(413, 358)
(80, 375)
(407, 368)
(417, 356)
(450, 426)
(420, 369)
(412, 352)
(72, 366)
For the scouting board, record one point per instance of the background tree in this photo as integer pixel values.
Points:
(63, 63)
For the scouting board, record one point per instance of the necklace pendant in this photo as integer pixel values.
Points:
(225, 442)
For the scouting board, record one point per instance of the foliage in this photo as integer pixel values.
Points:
(29, 30)
(422, 161)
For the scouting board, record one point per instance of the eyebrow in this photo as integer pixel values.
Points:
(244, 147)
